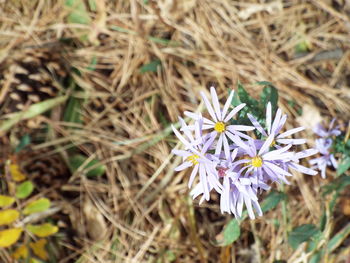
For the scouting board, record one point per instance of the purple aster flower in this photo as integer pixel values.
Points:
(276, 127)
(220, 121)
(326, 158)
(324, 133)
(263, 165)
(195, 155)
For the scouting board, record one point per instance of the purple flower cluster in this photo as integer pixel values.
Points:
(224, 157)
(323, 145)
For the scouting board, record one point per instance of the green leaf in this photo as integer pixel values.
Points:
(244, 97)
(32, 111)
(37, 206)
(151, 67)
(301, 234)
(343, 166)
(272, 200)
(25, 141)
(338, 239)
(269, 94)
(78, 13)
(72, 112)
(76, 161)
(338, 185)
(317, 257)
(24, 189)
(231, 233)
(43, 230)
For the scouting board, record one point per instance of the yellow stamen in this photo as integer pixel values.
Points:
(193, 159)
(257, 161)
(220, 126)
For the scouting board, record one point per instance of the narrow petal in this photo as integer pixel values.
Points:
(215, 99)
(234, 112)
(192, 115)
(209, 142)
(282, 122)
(291, 141)
(227, 105)
(234, 154)
(276, 121)
(181, 153)
(242, 127)
(256, 124)
(219, 145)
(209, 107)
(204, 182)
(193, 175)
(248, 204)
(268, 117)
(271, 155)
(183, 166)
(277, 169)
(226, 146)
(333, 161)
(265, 147)
(302, 169)
(237, 140)
(290, 132)
(183, 140)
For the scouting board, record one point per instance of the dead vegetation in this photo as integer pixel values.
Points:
(139, 210)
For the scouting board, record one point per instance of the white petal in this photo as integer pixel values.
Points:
(233, 112)
(209, 107)
(256, 124)
(268, 117)
(215, 99)
(266, 144)
(192, 115)
(193, 175)
(227, 105)
(242, 127)
(290, 132)
(226, 147)
(219, 145)
(291, 141)
(276, 122)
(183, 166)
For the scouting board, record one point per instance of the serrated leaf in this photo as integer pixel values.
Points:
(78, 12)
(24, 189)
(25, 141)
(151, 67)
(9, 236)
(16, 174)
(43, 230)
(76, 161)
(344, 165)
(231, 233)
(301, 234)
(8, 216)
(6, 200)
(37, 206)
(39, 250)
(21, 252)
(272, 200)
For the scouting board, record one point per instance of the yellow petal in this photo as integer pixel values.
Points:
(20, 252)
(6, 200)
(38, 248)
(8, 216)
(43, 230)
(16, 174)
(9, 236)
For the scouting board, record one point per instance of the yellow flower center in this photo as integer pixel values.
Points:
(220, 126)
(257, 161)
(193, 159)
(273, 143)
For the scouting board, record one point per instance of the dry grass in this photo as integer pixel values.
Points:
(140, 211)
